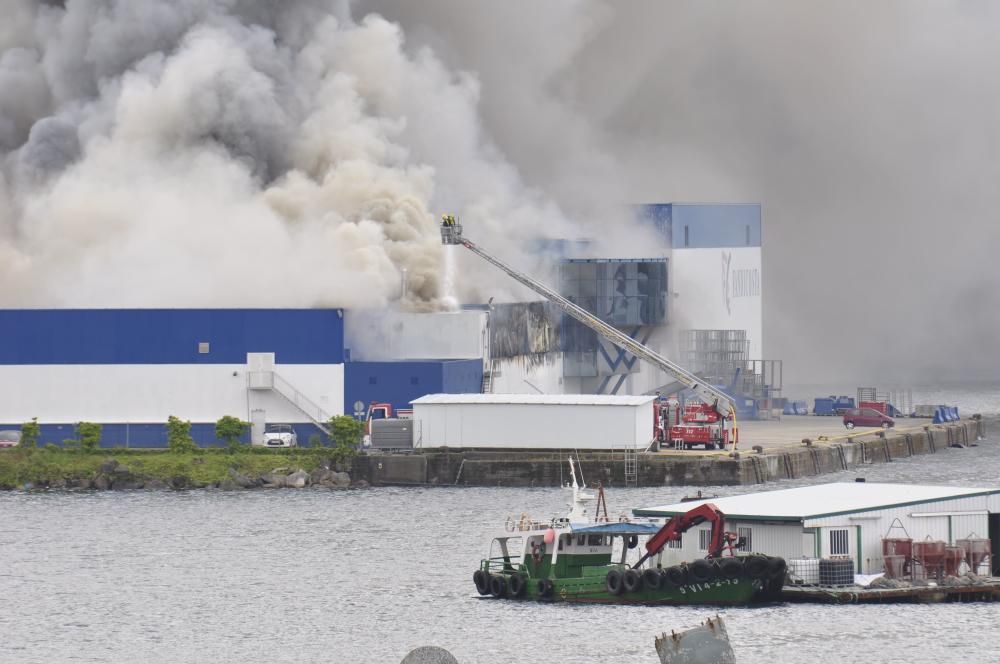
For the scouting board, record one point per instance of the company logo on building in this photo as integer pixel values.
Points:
(742, 282)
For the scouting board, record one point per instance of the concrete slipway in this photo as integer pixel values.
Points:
(782, 455)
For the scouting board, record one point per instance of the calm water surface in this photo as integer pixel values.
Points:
(365, 576)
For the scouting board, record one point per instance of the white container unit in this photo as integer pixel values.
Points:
(533, 421)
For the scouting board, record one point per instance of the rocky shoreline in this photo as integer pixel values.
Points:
(112, 475)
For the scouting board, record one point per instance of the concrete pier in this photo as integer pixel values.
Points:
(792, 455)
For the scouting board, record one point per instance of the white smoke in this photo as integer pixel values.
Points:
(238, 153)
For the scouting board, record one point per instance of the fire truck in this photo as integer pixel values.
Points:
(711, 423)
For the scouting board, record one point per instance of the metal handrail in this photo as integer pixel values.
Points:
(319, 416)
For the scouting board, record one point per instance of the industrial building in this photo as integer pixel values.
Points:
(845, 520)
(131, 369)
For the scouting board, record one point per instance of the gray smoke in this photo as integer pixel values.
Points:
(237, 152)
(868, 132)
(241, 152)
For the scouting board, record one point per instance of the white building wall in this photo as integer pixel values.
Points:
(519, 376)
(945, 520)
(718, 288)
(775, 539)
(151, 393)
(548, 426)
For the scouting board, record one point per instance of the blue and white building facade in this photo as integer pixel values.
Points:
(130, 369)
(715, 266)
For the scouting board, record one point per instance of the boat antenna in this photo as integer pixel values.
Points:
(583, 482)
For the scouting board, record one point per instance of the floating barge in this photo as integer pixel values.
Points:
(988, 590)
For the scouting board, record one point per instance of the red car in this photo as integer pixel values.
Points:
(867, 417)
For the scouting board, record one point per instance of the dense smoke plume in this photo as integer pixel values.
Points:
(247, 152)
(238, 152)
(868, 132)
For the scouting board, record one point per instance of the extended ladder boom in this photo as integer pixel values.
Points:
(451, 233)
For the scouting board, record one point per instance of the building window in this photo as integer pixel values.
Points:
(687, 237)
(675, 544)
(414, 380)
(203, 347)
(372, 380)
(746, 537)
(838, 542)
(704, 539)
(748, 235)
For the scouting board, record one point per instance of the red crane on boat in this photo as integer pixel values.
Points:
(677, 525)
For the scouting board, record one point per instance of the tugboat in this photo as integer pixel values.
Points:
(573, 559)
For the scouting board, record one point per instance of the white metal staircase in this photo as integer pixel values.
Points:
(270, 380)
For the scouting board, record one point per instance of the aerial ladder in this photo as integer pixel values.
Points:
(718, 406)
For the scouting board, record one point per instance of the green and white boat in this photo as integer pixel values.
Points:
(588, 558)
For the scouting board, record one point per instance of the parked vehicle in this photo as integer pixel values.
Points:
(10, 438)
(280, 435)
(867, 417)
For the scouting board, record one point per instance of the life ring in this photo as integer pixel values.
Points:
(537, 552)
(509, 524)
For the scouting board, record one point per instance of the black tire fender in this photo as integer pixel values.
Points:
(700, 571)
(498, 586)
(517, 584)
(614, 582)
(632, 541)
(676, 576)
(776, 568)
(482, 581)
(632, 581)
(544, 587)
(757, 567)
(729, 568)
(652, 579)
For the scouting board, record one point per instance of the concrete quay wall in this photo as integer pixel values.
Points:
(528, 468)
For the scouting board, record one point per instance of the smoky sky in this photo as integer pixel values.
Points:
(252, 153)
(867, 131)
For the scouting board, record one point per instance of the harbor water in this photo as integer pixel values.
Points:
(365, 576)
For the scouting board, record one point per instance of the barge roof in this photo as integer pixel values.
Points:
(822, 500)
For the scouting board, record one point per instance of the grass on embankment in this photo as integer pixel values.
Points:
(204, 467)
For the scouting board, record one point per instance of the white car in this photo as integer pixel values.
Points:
(280, 435)
(9, 438)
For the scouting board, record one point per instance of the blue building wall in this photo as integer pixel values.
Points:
(401, 382)
(169, 336)
(152, 435)
(705, 225)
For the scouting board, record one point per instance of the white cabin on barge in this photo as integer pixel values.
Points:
(845, 520)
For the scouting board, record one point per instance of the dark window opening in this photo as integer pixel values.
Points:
(687, 237)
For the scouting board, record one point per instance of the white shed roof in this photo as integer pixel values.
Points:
(539, 399)
(811, 502)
